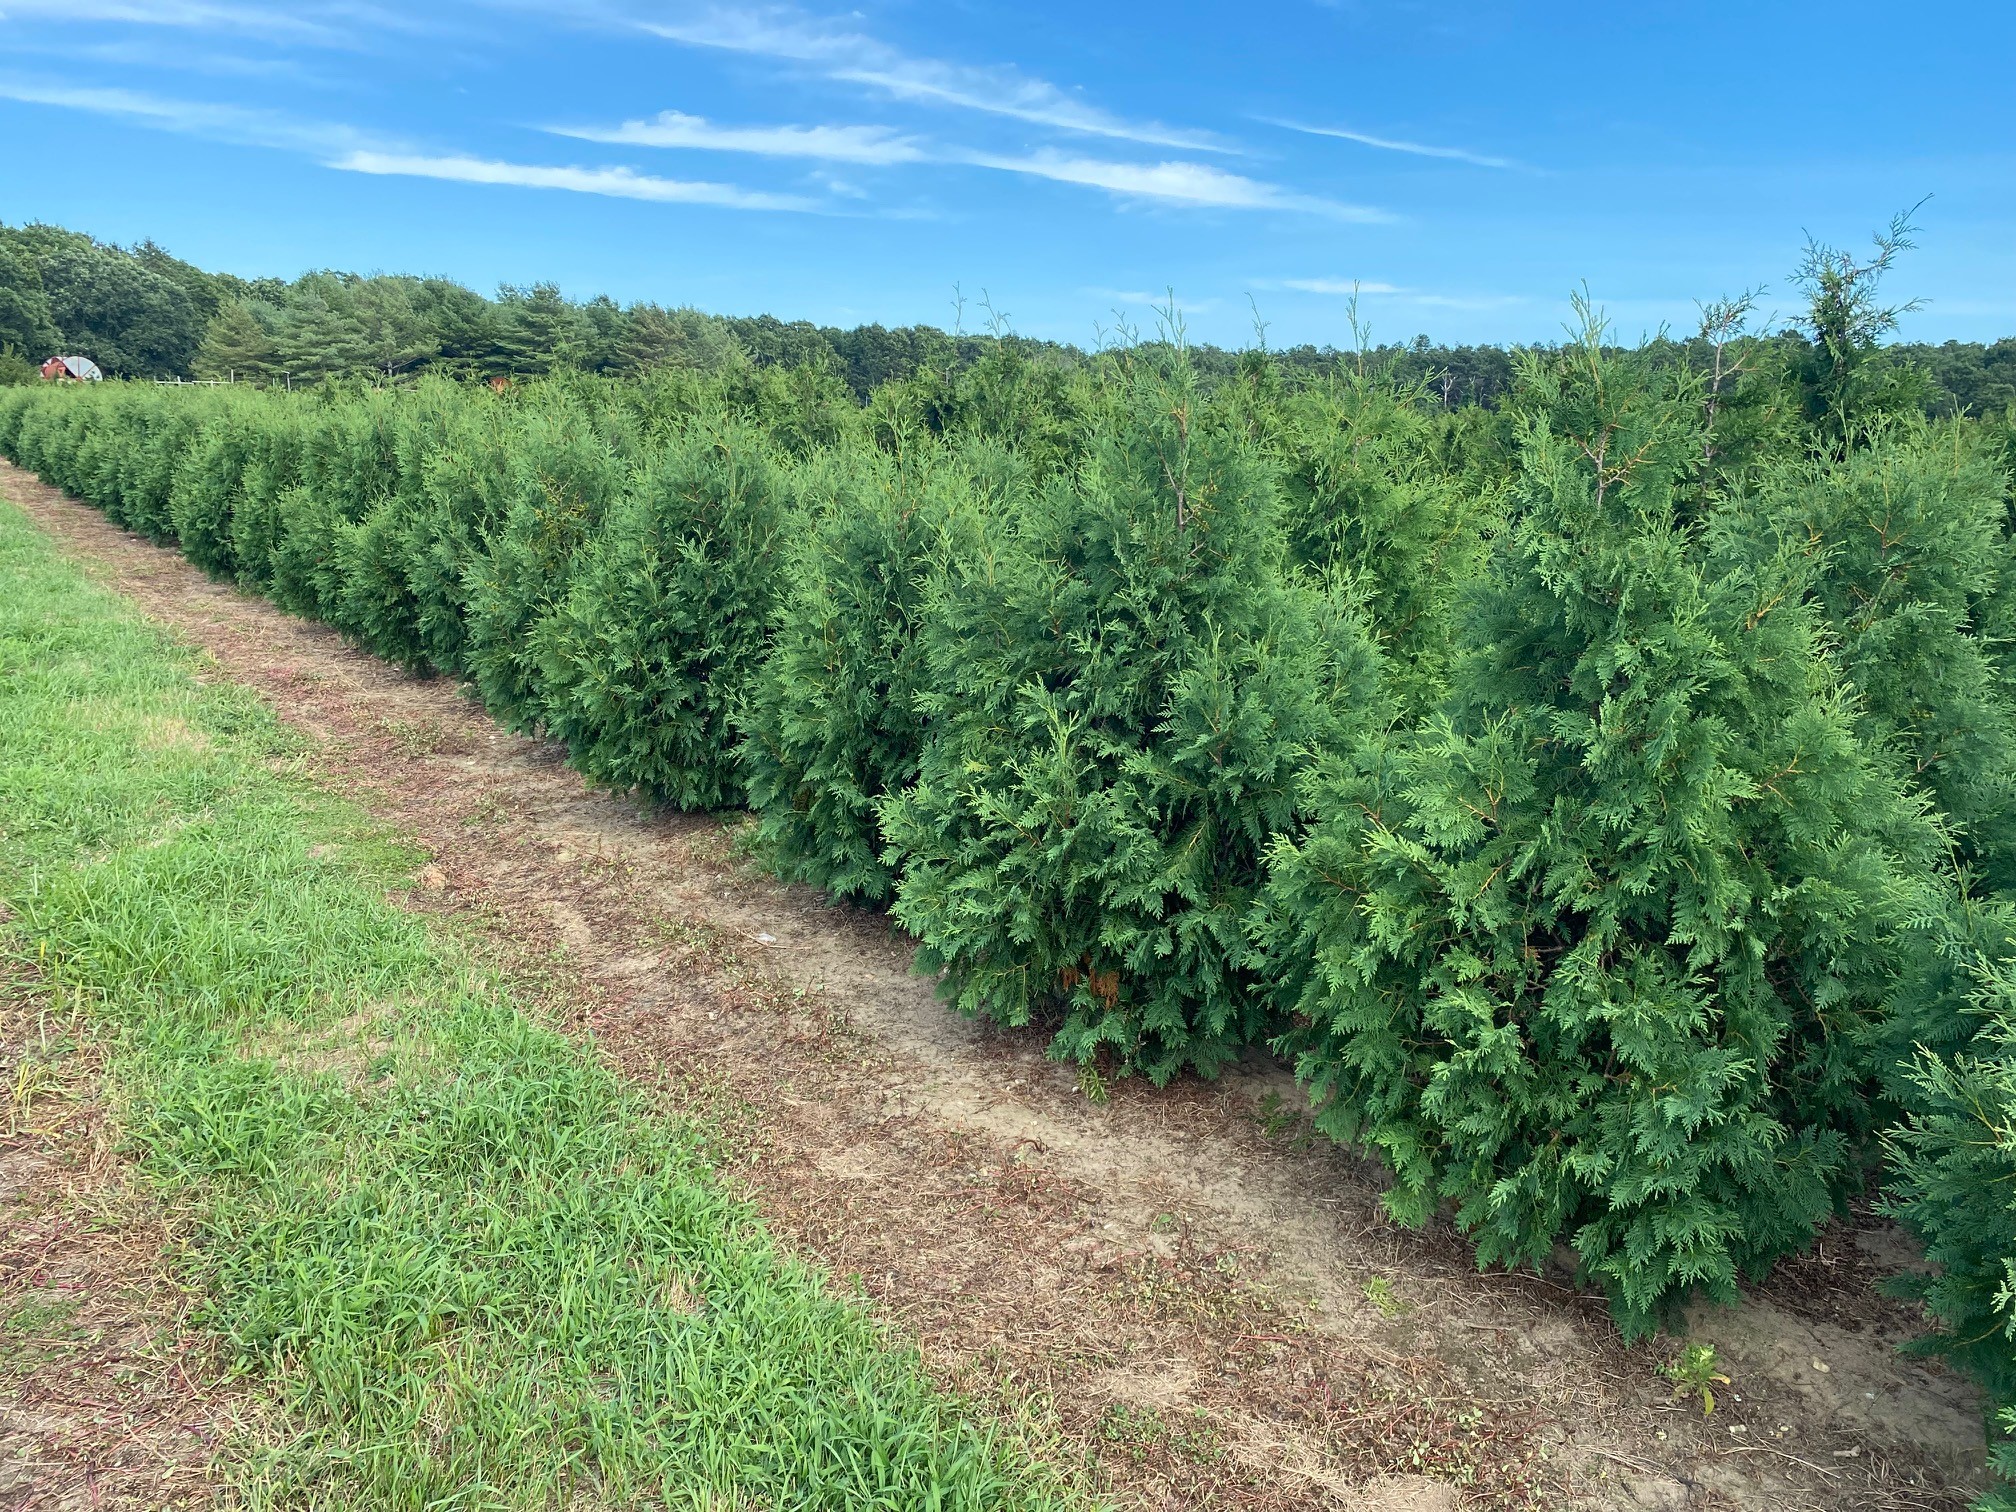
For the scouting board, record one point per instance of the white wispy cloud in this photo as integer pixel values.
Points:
(619, 183)
(1177, 182)
(353, 151)
(227, 123)
(872, 145)
(1393, 144)
(854, 57)
(1332, 286)
(1398, 293)
(154, 52)
(325, 25)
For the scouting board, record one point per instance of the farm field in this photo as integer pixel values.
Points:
(1186, 1291)
(777, 756)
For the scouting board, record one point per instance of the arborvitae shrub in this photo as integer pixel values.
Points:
(800, 410)
(208, 480)
(462, 488)
(94, 470)
(833, 726)
(648, 661)
(148, 477)
(1909, 531)
(376, 555)
(61, 435)
(561, 479)
(1951, 1172)
(1119, 695)
(1369, 498)
(378, 606)
(272, 466)
(38, 444)
(345, 468)
(15, 402)
(1592, 954)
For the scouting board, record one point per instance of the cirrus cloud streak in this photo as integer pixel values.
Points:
(619, 183)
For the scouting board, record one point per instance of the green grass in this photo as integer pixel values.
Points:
(472, 1267)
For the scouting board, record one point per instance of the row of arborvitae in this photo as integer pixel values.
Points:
(1608, 804)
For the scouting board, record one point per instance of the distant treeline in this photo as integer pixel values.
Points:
(141, 313)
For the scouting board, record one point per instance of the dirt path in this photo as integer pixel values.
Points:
(1185, 1282)
(107, 1398)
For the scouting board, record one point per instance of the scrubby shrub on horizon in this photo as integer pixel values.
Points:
(833, 726)
(1120, 692)
(1592, 955)
(646, 664)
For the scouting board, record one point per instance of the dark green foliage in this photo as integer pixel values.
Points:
(272, 466)
(1842, 378)
(26, 324)
(833, 727)
(1590, 955)
(560, 481)
(15, 404)
(378, 606)
(1908, 533)
(1120, 694)
(1369, 498)
(122, 310)
(206, 490)
(1953, 1162)
(148, 474)
(345, 469)
(647, 663)
(458, 468)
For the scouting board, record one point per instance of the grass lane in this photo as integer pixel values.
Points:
(470, 1264)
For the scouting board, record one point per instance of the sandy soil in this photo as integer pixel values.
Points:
(1185, 1284)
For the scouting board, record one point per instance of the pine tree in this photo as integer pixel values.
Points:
(537, 330)
(237, 345)
(1119, 696)
(647, 662)
(1592, 954)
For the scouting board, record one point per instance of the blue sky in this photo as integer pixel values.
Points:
(1465, 164)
